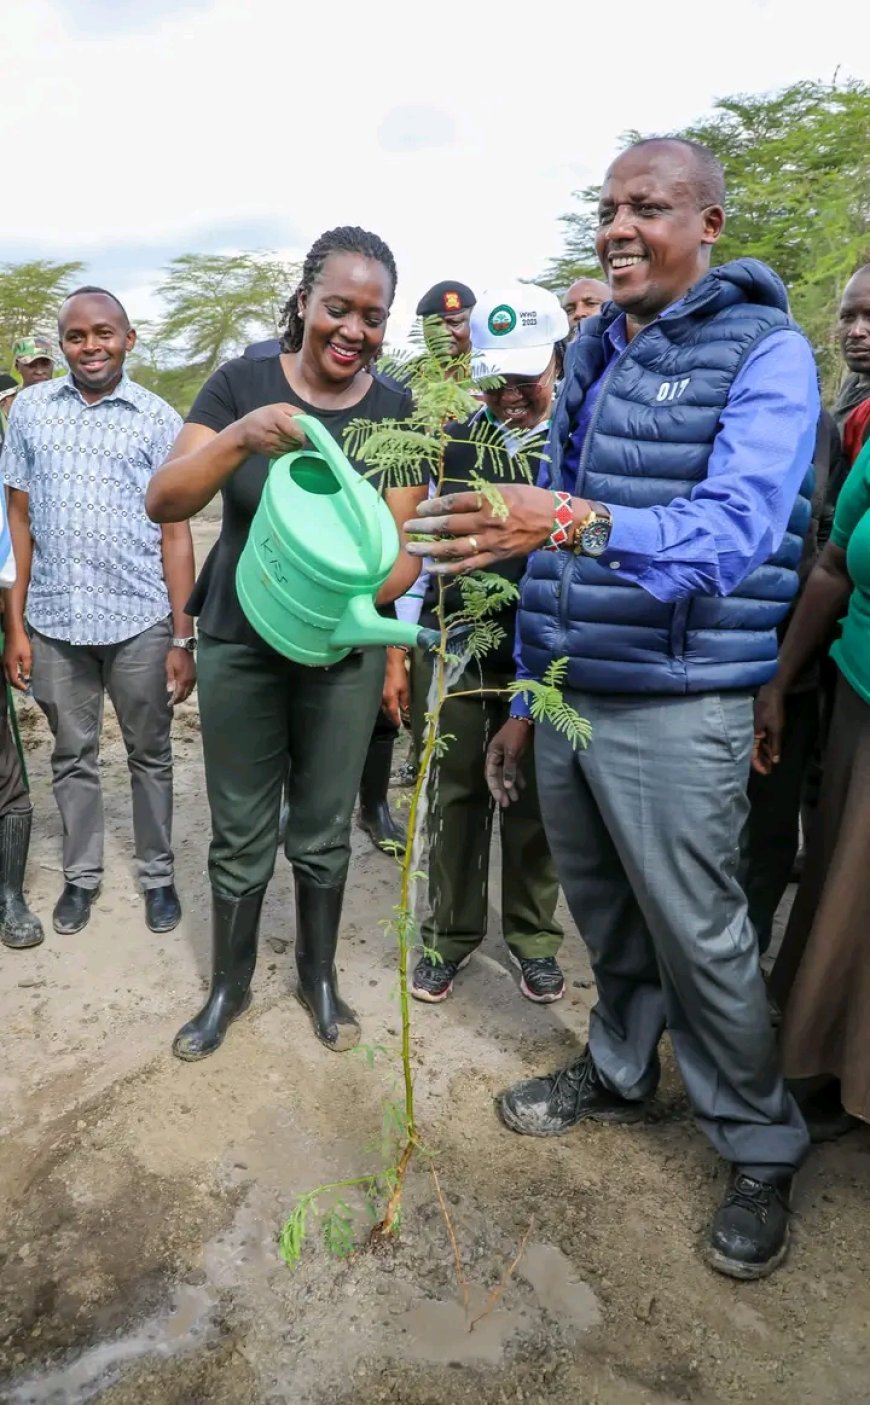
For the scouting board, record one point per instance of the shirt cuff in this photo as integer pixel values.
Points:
(634, 537)
(520, 707)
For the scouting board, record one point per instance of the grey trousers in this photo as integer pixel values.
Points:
(69, 682)
(645, 829)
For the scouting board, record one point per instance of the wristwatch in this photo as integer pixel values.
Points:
(188, 644)
(593, 533)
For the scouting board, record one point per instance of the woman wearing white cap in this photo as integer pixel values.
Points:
(517, 335)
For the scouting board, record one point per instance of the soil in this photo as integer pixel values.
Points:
(142, 1198)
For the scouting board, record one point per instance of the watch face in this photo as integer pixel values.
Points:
(595, 536)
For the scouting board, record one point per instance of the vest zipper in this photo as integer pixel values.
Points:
(570, 558)
(610, 372)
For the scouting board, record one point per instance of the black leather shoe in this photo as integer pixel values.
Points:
(162, 908)
(72, 910)
(749, 1234)
(549, 1106)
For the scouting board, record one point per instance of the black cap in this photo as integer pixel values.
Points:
(7, 383)
(444, 298)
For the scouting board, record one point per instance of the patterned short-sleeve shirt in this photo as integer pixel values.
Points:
(97, 571)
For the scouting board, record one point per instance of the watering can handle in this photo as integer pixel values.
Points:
(318, 435)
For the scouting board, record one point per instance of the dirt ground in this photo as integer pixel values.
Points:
(142, 1197)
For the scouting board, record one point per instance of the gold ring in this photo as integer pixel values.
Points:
(472, 542)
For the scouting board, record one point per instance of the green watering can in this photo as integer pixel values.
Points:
(320, 547)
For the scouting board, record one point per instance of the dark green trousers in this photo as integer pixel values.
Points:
(461, 813)
(770, 839)
(257, 713)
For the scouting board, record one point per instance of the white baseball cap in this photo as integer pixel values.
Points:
(514, 329)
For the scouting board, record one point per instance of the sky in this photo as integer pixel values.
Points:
(137, 130)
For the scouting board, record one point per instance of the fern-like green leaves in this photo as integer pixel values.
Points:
(547, 704)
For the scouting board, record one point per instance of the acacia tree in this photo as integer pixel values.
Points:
(213, 305)
(30, 295)
(797, 169)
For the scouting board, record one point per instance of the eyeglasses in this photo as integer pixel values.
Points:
(527, 389)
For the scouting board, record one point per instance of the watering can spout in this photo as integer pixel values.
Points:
(361, 627)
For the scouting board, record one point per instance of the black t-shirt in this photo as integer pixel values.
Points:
(233, 391)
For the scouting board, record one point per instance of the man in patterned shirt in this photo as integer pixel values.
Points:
(103, 591)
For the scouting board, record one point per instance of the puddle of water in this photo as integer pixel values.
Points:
(87, 1376)
(438, 1331)
(557, 1287)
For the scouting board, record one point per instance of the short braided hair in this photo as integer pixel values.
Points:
(346, 239)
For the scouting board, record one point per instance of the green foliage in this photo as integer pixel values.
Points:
(213, 305)
(547, 703)
(338, 1231)
(30, 298)
(797, 169)
(483, 593)
(292, 1236)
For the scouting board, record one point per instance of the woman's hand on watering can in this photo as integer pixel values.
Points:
(271, 431)
(468, 536)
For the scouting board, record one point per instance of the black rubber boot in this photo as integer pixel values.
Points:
(235, 925)
(318, 914)
(374, 809)
(19, 927)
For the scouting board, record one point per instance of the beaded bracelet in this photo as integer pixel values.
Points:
(563, 521)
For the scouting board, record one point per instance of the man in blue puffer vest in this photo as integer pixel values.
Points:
(665, 543)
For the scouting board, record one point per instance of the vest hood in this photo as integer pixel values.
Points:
(741, 280)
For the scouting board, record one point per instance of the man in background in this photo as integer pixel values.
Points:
(451, 303)
(104, 592)
(584, 299)
(852, 408)
(34, 360)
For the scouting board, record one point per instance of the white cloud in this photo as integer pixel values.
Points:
(252, 112)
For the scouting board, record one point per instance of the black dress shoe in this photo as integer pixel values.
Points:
(162, 908)
(72, 910)
(749, 1234)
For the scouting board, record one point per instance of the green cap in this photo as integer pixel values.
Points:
(32, 349)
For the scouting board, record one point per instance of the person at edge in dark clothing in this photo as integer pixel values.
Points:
(451, 303)
(852, 407)
(674, 501)
(375, 815)
(262, 714)
(526, 359)
(772, 826)
(777, 797)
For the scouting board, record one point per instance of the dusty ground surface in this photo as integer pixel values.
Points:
(142, 1198)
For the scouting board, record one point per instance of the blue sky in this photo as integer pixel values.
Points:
(137, 131)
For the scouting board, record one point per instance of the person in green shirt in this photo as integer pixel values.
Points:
(821, 979)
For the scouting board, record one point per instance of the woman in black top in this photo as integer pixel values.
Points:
(259, 710)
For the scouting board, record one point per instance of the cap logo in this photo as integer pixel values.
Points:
(452, 302)
(502, 320)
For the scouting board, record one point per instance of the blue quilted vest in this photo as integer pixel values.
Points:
(617, 637)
